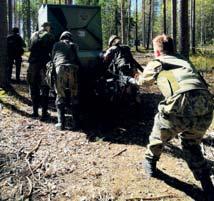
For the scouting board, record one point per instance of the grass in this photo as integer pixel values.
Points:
(203, 62)
(2, 93)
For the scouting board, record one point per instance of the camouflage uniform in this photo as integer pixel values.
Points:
(186, 111)
(66, 62)
(15, 45)
(120, 58)
(41, 46)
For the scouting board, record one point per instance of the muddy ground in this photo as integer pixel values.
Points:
(96, 163)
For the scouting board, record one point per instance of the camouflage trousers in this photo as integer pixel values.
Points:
(190, 130)
(39, 89)
(66, 79)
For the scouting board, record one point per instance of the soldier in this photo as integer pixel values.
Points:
(66, 62)
(40, 48)
(15, 45)
(120, 57)
(186, 111)
(123, 68)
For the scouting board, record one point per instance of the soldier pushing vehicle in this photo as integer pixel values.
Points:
(40, 48)
(66, 62)
(187, 110)
(117, 83)
(119, 58)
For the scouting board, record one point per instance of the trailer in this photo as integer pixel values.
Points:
(84, 22)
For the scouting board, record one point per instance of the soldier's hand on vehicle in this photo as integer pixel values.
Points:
(132, 81)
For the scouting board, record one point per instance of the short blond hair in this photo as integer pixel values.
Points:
(164, 44)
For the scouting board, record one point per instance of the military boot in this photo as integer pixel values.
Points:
(149, 166)
(35, 103)
(18, 70)
(76, 117)
(208, 187)
(44, 102)
(60, 117)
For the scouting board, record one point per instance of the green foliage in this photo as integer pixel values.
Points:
(108, 19)
(87, 2)
(204, 22)
(111, 11)
(204, 59)
(2, 93)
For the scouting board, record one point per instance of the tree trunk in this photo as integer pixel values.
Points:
(3, 44)
(144, 21)
(202, 23)
(15, 23)
(19, 14)
(192, 23)
(116, 18)
(136, 27)
(122, 22)
(173, 22)
(164, 16)
(183, 28)
(152, 20)
(10, 15)
(23, 19)
(70, 2)
(149, 24)
(28, 21)
(129, 22)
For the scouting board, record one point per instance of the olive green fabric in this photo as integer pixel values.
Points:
(180, 74)
(41, 44)
(186, 111)
(66, 61)
(66, 78)
(172, 82)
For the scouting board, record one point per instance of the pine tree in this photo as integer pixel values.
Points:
(183, 31)
(3, 44)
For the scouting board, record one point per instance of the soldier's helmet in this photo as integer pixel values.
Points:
(114, 39)
(46, 24)
(15, 30)
(66, 35)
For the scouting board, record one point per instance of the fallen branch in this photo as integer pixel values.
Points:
(32, 173)
(34, 149)
(41, 164)
(119, 153)
(30, 188)
(152, 198)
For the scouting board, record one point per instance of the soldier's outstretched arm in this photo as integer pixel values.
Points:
(150, 73)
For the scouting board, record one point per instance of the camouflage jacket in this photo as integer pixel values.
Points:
(176, 79)
(120, 57)
(41, 45)
(65, 52)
